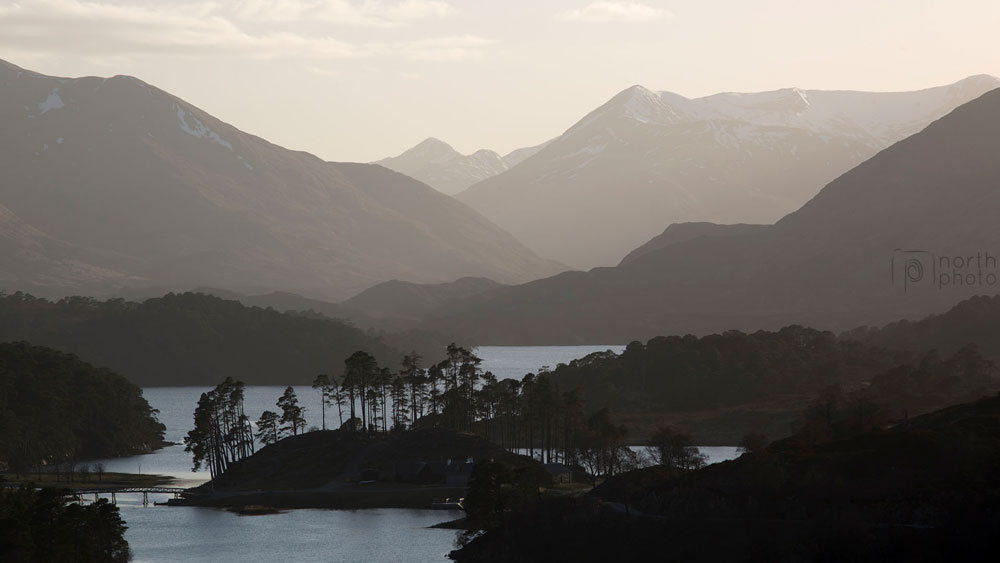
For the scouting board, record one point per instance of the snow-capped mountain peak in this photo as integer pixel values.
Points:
(646, 106)
(646, 159)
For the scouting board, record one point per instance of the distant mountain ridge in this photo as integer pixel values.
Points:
(647, 159)
(108, 184)
(875, 118)
(826, 265)
(440, 166)
(681, 232)
(413, 302)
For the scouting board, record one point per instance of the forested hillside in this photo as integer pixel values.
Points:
(973, 321)
(187, 339)
(923, 490)
(55, 407)
(690, 373)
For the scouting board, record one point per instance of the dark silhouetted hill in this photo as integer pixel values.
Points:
(681, 232)
(973, 321)
(405, 301)
(189, 339)
(688, 373)
(315, 459)
(54, 407)
(923, 490)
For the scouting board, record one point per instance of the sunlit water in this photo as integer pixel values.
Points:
(188, 534)
(508, 362)
(160, 534)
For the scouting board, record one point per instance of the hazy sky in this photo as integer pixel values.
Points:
(363, 79)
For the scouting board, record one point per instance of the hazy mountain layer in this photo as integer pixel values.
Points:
(647, 159)
(438, 165)
(838, 262)
(406, 301)
(151, 190)
(681, 232)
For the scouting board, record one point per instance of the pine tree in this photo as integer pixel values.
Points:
(267, 427)
(292, 415)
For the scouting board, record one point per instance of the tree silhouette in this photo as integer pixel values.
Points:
(675, 450)
(42, 525)
(292, 415)
(360, 370)
(222, 432)
(55, 408)
(325, 387)
(268, 427)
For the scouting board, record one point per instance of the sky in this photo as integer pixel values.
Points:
(359, 80)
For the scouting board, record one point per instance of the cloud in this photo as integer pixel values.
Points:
(369, 13)
(457, 48)
(614, 12)
(410, 9)
(321, 71)
(58, 26)
(209, 28)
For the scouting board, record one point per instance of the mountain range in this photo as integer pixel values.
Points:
(111, 184)
(647, 159)
(440, 166)
(907, 233)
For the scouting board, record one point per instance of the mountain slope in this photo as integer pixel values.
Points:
(168, 196)
(408, 301)
(647, 159)
(438, 165)
(827, 265)
(32, 258)
(680, 232)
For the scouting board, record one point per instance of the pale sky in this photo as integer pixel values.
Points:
(357, 80)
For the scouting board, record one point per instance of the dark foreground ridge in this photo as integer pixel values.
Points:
(348, 470)
(924, 490)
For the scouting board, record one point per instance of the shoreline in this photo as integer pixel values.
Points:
(109, 481)
(354, 498)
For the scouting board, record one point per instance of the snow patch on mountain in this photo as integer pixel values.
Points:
(198, 129)
(646, 106)
(52, 102)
